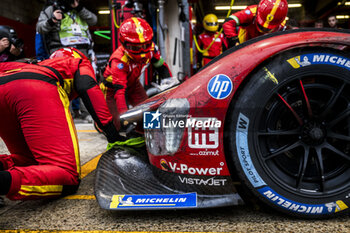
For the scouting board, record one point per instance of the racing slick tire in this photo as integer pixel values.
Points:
(289, 133)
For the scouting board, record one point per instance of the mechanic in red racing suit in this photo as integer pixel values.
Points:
(269, 16)
(121, 77)
(37, 128)
(205, 39)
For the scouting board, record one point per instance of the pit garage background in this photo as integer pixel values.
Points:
(174, 22)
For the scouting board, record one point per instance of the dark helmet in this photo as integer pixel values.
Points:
(64, 5)
(10, 33)
(4, 32)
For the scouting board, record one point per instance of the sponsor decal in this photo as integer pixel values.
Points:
(319, 58)
(157, 120)
(120, 66)
(186, 169)
(164, 165)
(153, 201)
(205, 182)
(247, 12)
(151, 120)
(297, 207)
(206, 152)
(243, 152)
(191, 122)
(220, 86)
(270, 76)
(206, 136)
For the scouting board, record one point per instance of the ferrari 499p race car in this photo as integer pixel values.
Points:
(267, 121)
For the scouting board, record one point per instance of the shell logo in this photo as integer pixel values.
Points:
(164, 165)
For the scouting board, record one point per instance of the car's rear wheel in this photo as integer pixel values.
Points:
(289, 133)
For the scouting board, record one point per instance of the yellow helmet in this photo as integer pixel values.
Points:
(210, 23)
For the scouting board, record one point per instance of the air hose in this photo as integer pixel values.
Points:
(133, 142)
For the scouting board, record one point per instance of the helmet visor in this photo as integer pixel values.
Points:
(137, 48)
(211, 23)
(265, 30)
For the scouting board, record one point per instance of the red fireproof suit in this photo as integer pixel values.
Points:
(37, 128)
(121, 78)
(245, 22)
(204, 40)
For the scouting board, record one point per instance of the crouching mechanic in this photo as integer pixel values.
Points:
(37, 128)
(126, 64)
(256, 20)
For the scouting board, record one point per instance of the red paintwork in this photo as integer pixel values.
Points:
(237, 66)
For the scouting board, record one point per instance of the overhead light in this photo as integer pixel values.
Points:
(343, 16)
(228, 7)
(104, 12)
(346, 3)
(295, 5)
(223, 20)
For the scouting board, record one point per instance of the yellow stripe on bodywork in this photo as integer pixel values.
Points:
(72, 130)
(42, 188)
(270, 16)
(139, 29)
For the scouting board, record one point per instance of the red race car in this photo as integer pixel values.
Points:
(267, 121)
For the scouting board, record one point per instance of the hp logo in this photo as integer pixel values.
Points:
(220, 86)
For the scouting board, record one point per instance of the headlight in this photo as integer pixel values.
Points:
(166, 140)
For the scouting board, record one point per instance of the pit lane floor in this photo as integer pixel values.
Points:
(81, 212)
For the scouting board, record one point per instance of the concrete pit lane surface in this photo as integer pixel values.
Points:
(80, 212)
